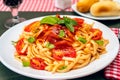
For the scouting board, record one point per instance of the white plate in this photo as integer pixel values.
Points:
(88, 15)
(7, 54)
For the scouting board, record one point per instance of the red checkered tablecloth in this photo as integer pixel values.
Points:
(112, 71)
(36, 5)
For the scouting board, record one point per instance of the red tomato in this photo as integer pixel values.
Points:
(70, 52)
(57, 54)
(52, 37)
(97, 34)
(37, 63)
(29, 27)
(19, 46)
(79, 22)
(63, 48)
(62, 44)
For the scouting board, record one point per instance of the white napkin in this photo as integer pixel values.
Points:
(62, 4)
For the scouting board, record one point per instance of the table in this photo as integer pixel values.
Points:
(6, 74)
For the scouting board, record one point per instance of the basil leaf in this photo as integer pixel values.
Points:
(69, 26)
(61, 22)
(69, 23)
(49, 20)
(69, 20)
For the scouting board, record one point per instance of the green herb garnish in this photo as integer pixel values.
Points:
(61, 33)
(31, 39)
(49, 45)
(99, 42)
(83, 40)
(68, 22)
(49, 20)
(14, 42)
(26, 63)
(61, 21)
(63, 67)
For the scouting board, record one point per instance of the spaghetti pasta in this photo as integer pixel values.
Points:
(59, 47)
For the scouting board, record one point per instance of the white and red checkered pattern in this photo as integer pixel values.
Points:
(36, 5)
(112, 72)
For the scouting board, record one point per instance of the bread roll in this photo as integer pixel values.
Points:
(105, 8)
(84, 5)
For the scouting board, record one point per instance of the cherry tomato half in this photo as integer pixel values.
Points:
(63, 48)
(19, 46)
(57, 54)
(79, 22)
(97, 34)
(70, 52)
(29, 27)
(37, 63)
